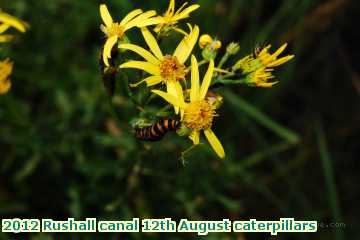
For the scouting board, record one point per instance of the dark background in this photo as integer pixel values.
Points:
(292, 150)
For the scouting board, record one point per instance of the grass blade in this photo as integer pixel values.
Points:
(329, 180)
(261, 118)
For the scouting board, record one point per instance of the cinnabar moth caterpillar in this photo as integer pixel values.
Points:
(157, 131)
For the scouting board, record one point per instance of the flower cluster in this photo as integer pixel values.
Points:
(175, 78)
(259, 66)
(6, 22)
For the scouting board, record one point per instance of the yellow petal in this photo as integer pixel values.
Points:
(13, 21)
(186, 46)
(145, 66)
(105, 15)
(215, 143)
(142, 52)
(171, 8)
(186, 12)
(265, 50)
(179, 30)
(5, 86)
(150, 81)
(6, 37)
(179, 91)
(158, 28)
(279, 51)
(195, 137)
(109, 44)
(153, 80)
(179, 94)
(4, 27)
(151, 21)
(151, 42)
(189, 26)
(182, 112)
(266, 84)
(130, 16)
(280, 61)
(207, 80)
(170, 98)
(171, 89)
(194, 91)
(181, 8)
(139, 19)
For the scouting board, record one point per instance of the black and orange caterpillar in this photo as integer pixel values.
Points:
(157, 131)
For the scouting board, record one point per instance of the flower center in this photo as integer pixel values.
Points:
(168, 18)
(115, 29)
(199, 115)
(172, 69)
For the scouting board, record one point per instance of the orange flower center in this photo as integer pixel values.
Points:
(115, 29)
(199, 115)
(172, 69)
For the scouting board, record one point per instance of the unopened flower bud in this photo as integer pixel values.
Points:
(233, 48)
(205, 40)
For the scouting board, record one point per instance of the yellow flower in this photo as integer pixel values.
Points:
(168, 69)
(5, 70)
(115, 31)
(247, 64)
(271, 60)
(7, 21)
(260, 78)
(253, 62)
(198, 113)
(206, 40)
(171, 17)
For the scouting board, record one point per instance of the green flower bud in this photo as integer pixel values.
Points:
(208, 53)
(233, 48)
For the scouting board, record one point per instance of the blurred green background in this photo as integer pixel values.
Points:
(292, 150)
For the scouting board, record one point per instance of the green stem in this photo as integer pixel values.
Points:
(152, 96)
(187, 151)
(202, 62)
(329, 179)
(229, 75)
(223, 60)
(224, 81)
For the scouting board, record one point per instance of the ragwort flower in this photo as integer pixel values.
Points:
(166, 69)
(260, 78)
(258, 67)
(115, 31)
(198, 113)
(253, 62)
(271, 60)
(170, 17)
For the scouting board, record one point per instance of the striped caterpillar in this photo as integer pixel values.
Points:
(158, 130)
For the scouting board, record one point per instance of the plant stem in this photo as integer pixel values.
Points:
(223, 60)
